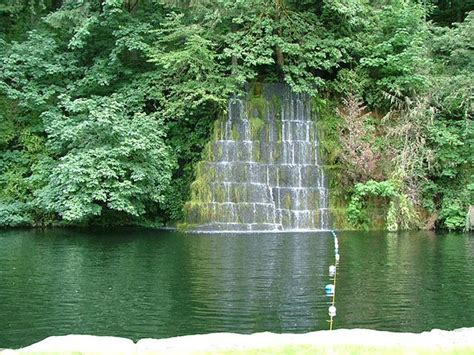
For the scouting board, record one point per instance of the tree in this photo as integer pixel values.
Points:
(103, 157)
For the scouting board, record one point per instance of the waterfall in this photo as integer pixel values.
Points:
(262, 170)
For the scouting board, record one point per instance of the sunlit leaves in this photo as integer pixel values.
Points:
(87, 96)
(395, 52)
(105, 158)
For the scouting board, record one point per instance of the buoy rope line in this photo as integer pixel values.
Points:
(331, 288)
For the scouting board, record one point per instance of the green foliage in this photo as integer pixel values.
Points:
(194, 77)
(447, 12)
(283, 41)
(450, 190)
(104, 158)
(453, 213)
(15, 214)
(395, 56)
(329, 125)
(400, 215)
(106, 106)
(186, 139)
(85, 89)
(427, 134)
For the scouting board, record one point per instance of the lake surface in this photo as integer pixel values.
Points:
(146, 283)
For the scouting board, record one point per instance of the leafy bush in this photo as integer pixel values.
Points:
(401, 214)
(105, 106)
(15, 214)
(104, 158)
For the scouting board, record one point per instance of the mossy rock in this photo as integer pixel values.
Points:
(217, 132)
(256, 126)
(256, 105)
(287, 202)
(235, 134)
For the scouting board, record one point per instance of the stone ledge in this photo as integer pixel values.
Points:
(338, 341)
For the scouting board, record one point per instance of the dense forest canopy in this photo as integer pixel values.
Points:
(105, 105)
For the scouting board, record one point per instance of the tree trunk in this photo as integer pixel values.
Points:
(234, 63)
(280, 61)
(56, 4)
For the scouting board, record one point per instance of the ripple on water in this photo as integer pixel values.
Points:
(141, 283)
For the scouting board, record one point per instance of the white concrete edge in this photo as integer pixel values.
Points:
(435, 339)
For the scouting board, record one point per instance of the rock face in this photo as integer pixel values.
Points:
(470, 219)
(262, 170)
(340, 341)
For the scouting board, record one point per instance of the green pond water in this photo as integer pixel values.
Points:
(147, 283)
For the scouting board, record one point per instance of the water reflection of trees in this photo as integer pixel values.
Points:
(256, 283)
(408, 282)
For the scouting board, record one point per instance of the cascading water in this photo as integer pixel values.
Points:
(262, 170)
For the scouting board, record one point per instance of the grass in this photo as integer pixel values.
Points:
(347, 350)
(313, 350)
(337, 349)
